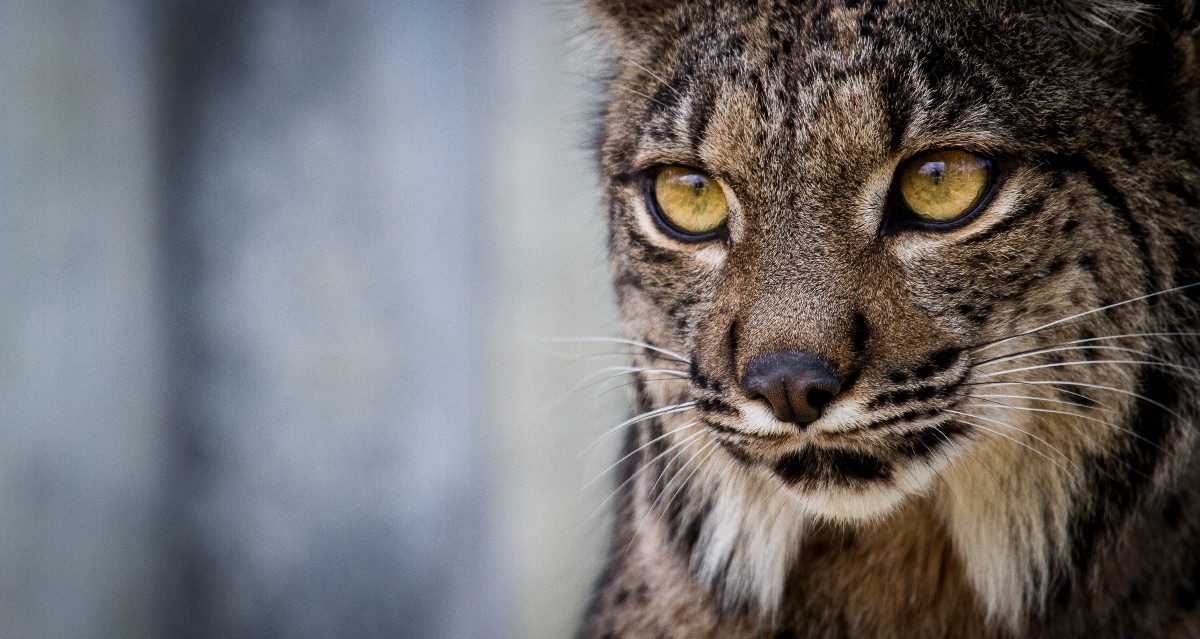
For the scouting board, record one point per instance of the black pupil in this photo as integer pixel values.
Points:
(935, 171)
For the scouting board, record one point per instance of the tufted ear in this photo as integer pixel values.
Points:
(624, 20)
(1098, 22)
(1155, 46)
(1095, 21)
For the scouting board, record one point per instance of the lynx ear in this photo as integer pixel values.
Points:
(1098, 20)
(1095, 22)
(1155, 45)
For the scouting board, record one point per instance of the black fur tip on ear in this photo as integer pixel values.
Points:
(1097, 22)
(1091, 22)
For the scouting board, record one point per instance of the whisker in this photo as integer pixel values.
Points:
(638, 353)
(1057, 465)
(1063, 412)
(1114, 426)
(653, 74)
(637, 450)
(1167, 365)
(635, 474)
(626, 370)
(592, 339)
(654, 505)
(1022, 431)
(1055, 385)
(590, 380)
(1058, 349)
(651, 414)
(1114, 389)
(697, 461)
(628, 384)
(1043, 327)
(666, 467)
(1041, 399)
(1153, 334)
(950, 445)
(635, 91)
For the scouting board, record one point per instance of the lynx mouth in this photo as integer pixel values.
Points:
(854, 461)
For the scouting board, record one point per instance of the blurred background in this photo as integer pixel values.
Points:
(270, 270)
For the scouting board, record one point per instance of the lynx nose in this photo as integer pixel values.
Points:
(796, 385)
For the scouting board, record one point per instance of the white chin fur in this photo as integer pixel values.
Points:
(874, 500)
(851, 506)
(752, 535)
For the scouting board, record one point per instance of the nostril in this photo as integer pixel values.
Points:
(795, 384)
(818, 398)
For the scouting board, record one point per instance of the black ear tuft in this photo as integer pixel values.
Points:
(1097, 22)
(1092, 22)
(1154, 46)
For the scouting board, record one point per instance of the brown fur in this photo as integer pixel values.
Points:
(913, 507)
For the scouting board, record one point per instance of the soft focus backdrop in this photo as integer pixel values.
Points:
(272, 278)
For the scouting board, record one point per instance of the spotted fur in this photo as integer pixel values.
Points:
(946, 491)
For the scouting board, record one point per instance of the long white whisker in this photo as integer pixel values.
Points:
(1035, 398)
(589, 380)
(635, 91)
(1022, 431)
(1085, 313)
(698, 463)
(627, 384)
(1048, 458)
(1037, 382)
(973, 456)
(634, 475)
(1168, 365)
(653, 505)
(1055, 385)
(658, 412)
(637, 450)
(587, 339)
(638, 353)
(653, 74)
(620, 371)
(1058, 349)
(1063, 412)
(1127, 335)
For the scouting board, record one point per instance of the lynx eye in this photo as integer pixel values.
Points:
(944, 186)
(688, 204)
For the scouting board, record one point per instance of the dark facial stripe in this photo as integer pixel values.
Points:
(907, 416)
(1100, 181)
(1027, 210)
(926, 442)
(698, 122)
(1120, 479)
(898, 101)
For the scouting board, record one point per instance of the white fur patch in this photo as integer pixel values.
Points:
(750, 539)
(1007, 511)
(755, 528)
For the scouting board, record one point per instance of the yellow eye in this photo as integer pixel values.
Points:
(943, 186)
(691, 203)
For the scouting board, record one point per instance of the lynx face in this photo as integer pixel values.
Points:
(843, 340)
(904, 251)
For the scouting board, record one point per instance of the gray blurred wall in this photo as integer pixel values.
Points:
(269, 271)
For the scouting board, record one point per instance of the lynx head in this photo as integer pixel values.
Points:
(905, 251)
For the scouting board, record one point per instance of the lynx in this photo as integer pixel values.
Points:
(913, 288)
